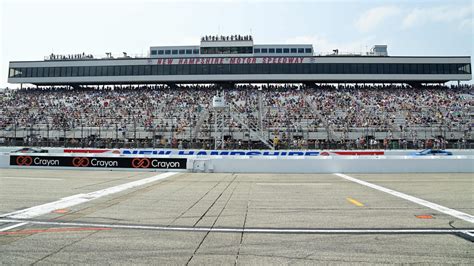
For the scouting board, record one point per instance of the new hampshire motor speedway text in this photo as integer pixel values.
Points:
(221, 153)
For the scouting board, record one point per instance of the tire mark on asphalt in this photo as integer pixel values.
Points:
(217, 199)
(244, 224)
(217, 217)
(111, 202)
(91, 209)
(63, 247)
(108, 181)
(177, 190)
(196, 202)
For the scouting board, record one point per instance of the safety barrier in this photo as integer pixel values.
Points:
(243, 163)
(352, 164)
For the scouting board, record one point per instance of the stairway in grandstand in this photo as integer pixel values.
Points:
(330, 131)
(399, 121)
(203, 115)
(219, 128)
(253, 128)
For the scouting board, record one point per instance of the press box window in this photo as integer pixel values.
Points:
(181, 52)
(153, 52)
(195, 51)
(307, 50)
(278, 51)
(161, 51)
(264, 50)
(293, 50)
(286, 50)
(174, 52)
(271, 50)
(167, 51)
(257, 51)
(300, 50)
(189, 51)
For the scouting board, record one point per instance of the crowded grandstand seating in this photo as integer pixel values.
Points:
(300, 116)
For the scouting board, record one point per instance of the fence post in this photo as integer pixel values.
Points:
(135, 132)
(14, 136)
(64, 135)
(82, 133)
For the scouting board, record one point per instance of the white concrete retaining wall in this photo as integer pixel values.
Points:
(4, 160)
(351, 164)
(319, 164)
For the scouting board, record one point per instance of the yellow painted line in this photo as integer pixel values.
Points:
(355, 202)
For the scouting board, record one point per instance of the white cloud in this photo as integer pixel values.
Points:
(440, 14)
(322, 45)
(466, 24)
(415, 17)
(375, 16)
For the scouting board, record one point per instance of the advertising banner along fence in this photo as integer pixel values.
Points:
(98, 162)
(210, 153)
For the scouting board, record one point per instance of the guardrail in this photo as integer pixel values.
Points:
(242, 163)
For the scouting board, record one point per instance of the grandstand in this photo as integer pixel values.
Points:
(278, 96)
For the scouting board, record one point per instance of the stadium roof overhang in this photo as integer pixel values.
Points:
(243, 70)
(235, 81)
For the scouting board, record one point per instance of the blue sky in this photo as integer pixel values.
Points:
(30, 30)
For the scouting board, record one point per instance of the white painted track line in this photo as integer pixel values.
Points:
(82, 198)
(12, 226)
(468, 233)
(246, 230)
(460, 215)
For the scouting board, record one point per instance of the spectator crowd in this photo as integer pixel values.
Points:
(278, 109)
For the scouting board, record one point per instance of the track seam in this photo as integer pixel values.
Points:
(217, 218)
(215, 201)
(195, 203)
(243, 226)
(62, 248)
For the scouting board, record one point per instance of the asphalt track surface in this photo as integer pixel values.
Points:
(98, 217)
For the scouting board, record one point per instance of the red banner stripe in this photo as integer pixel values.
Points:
(359, 152)
(85, 150)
